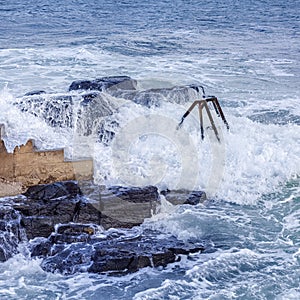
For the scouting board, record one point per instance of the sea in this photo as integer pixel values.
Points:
(247, 54)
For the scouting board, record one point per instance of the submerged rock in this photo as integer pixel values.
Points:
(114, 251)
(177, 197)
(35, 92)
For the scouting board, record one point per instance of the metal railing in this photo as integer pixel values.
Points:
(204, 104)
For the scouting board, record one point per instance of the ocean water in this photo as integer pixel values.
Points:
(244, 52)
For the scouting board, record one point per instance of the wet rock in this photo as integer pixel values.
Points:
(36, 92)
(92, 109)
(116, 252)
(11, 232)
(40, 247)
(154, 97)
(55, 109)
(104, 83)
(62, 202)
(53, 190)
(60, 110)
(47, 205)
(119, 206)
(177, 197)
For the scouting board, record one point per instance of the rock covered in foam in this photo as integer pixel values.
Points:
(11, 232)
(155, 97)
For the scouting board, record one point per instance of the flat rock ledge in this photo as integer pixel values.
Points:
(88, 228)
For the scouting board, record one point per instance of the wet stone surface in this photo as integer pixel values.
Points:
(72, 232)
(116, 251)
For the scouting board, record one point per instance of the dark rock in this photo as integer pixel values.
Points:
(39, 217)
(56, 110)
(11, 232)
(117, 252)
(182, 196)
(40, 247)
(74, 232)
(60, 110)
(154, 97)
(36, 92)
(53, 190)
(119, 206)
(47, 205)
(62, 202)
(104, 83)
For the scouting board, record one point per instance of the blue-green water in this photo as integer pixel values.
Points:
(244, 52)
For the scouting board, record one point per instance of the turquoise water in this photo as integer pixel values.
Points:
(244, 52)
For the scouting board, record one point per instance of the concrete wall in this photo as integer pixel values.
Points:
(26, 166)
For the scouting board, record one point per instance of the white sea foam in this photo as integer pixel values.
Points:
(254, 74)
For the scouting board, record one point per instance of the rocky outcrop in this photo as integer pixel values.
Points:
(177, 197)
(105, 83)
(155, 97)
(114, 251)
(51, 204)
(11, 232)
(73, 228)
(89, 105)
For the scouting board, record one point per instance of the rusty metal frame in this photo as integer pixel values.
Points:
(204, 104)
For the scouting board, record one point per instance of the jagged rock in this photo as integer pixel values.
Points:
(177, 197)
(65, 226)
(93, 108)
(47, 205)
(50, 204)
(104, 83)
(116, 251)
(11, 232)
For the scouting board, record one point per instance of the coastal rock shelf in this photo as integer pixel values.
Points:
(73, 232)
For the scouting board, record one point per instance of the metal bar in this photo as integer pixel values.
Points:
(187, 113)
(211, 120)
(221, 112)
(201, 119)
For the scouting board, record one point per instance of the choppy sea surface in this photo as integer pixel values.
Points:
(244, 52)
